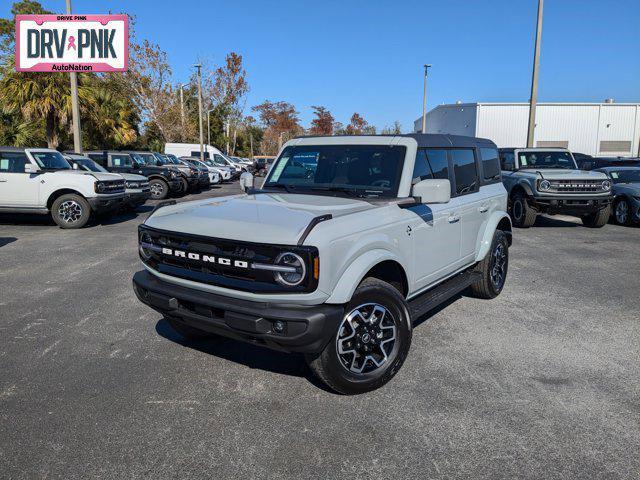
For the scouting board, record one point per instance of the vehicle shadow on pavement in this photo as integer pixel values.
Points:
(550, 222)
(7, 240)
(252, 356)
(31, 220)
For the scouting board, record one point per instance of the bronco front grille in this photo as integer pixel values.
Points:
(113, 186)
(221, 262)
(576, 186)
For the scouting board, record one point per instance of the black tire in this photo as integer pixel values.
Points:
(622, 212)
(522, 215)
(159, 189)
(186, 331)
(184, 186)
(493, 268)
(336, 370)
(597, 219)
(70, 211)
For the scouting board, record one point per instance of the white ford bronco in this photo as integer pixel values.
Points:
(349, 240)
(40, 180)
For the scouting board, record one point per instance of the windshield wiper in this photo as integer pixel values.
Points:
(349, 191)
(287, 188)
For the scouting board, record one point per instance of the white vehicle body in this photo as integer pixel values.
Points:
(34, 191)
(215, 175)
(349, 240)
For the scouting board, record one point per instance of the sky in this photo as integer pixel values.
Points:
(367, 56)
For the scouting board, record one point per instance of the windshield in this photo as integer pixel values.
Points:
(538, 160)
(88, 165)
(625, 176)
(51, 160)
(362, 170)
(220, 160)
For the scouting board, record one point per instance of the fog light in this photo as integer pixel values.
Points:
(278, 326)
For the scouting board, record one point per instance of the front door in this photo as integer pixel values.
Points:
(17, 188)
(437, 229)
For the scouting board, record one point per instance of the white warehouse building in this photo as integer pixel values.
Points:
(598, 129)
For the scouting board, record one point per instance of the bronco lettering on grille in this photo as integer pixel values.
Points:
(205, 258)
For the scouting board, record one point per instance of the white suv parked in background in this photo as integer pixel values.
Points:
(40, 180)
(348, 241)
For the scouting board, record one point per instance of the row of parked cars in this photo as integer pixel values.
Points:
(71, 187)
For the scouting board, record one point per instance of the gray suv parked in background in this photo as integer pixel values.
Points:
(547, 180)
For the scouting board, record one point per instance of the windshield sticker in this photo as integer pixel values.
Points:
(278, 169)
(523, 161)
(4, 164)
(614, 175)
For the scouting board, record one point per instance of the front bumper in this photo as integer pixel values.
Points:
(136, 197)
(307, 328)
(571, 205)
(203, 180)
(106, 203)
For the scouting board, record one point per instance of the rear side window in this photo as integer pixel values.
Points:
(121, 160)
(490, 163)
(13, 162)
(464, 169)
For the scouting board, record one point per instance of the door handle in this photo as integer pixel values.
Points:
(3, 181)
(483, 208)
(453, 218)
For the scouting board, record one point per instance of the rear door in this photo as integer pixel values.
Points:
(471, 207)
(18, 188)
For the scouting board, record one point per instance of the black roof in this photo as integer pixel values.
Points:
(435, 140)
(429, 140)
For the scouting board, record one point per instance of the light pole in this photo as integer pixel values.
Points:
(424, 100)
(534, 79)
(182, 106)
(199, 67)
(75, 106)
(209, 127)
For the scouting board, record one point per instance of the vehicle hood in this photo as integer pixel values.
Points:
(133, 177)
(632, 189)
(98, 175)
(565, 174)
(266, 218)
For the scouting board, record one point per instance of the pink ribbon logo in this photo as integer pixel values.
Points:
(72, 43)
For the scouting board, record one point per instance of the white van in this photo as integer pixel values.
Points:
(190, 150)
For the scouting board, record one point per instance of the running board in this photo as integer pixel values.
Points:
(441, 293)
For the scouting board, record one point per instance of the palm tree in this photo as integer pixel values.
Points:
(38, 96)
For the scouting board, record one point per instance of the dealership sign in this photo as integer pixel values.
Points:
(72, 43)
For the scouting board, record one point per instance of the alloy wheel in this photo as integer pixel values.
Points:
(498, 266)
(70, 211)
(157, 189)
(366, 338)
(622, 212)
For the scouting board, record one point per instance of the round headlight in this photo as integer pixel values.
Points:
(606, 185)
(545, 185)
(144, 248)
(296, 269)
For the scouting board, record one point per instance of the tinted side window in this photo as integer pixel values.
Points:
(97, 157)
(490, 163)
(464, 169)
(507, 157)
(13, 162)
(438, 162)
(421, 169)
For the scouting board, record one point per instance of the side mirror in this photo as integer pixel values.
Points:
(74, 166)
(432, 191)
(246, 181)
(30, 168)
(136, 165)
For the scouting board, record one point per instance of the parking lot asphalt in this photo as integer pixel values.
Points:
(542, 382)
